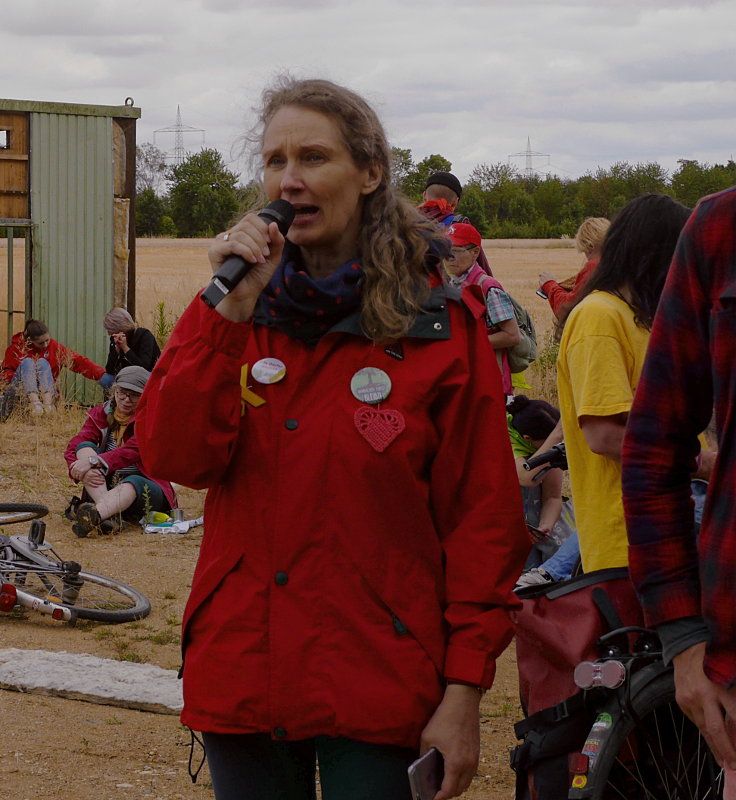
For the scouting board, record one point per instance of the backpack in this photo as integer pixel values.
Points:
(521, 355)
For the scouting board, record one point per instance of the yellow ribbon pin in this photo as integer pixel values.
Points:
(246, 395)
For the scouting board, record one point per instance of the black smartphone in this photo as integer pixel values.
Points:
(536, 534)
(426, 774)
(542, 294)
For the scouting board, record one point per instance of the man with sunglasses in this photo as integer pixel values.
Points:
(104, 457)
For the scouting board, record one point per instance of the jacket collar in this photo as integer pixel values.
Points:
(433, 322)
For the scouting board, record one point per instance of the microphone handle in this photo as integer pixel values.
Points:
(234, 268)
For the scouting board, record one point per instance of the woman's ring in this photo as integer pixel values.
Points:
(225, 237)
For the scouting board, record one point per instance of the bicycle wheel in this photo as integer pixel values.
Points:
(91, 596)
(656, 752)
(11, 513)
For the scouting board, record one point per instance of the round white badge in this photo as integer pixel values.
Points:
(268, 370)
(370, 385)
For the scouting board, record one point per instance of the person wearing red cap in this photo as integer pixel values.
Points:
(463, 270)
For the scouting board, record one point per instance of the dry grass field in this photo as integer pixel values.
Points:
(56, 748)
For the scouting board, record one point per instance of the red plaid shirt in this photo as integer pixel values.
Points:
(689, 369)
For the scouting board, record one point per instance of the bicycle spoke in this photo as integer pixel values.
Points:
(638, 780)
(664, 757)
(48, 584)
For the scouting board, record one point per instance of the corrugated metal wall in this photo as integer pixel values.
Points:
(72, 208)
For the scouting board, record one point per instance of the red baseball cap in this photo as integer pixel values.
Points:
(461, 233)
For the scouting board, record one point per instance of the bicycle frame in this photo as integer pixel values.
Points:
(30, 551)
(10, 592)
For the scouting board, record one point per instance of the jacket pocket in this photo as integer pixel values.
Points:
(206, 581)
(411, 612)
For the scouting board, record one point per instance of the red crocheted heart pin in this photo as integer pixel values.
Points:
(379, 428)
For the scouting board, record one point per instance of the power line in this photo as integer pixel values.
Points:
(178, 129)
(529, 155)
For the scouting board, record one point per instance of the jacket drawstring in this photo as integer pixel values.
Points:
(195, 740)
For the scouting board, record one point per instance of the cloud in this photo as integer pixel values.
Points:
(589, 82)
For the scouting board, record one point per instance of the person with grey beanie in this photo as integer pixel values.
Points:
(104, 458)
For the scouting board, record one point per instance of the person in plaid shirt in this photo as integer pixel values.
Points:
(687, 585)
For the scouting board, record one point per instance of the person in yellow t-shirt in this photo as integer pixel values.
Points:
(601, 355)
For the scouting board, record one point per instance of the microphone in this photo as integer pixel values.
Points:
(234, 268)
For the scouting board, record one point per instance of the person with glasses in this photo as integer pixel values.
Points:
(104, 458)
(463, 269)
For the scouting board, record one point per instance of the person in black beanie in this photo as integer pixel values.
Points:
(440, 198)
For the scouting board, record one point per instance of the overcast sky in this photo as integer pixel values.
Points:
(590, 82)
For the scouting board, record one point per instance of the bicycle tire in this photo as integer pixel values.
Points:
(654, 753)
(10, 513)
(100, 598)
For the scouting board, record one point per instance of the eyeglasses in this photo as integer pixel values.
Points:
(132, 396)
(456, 252)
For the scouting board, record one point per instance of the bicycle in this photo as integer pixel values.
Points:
(640, 745)
(34, 576)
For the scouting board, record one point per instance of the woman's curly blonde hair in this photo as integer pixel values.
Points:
(394, 237)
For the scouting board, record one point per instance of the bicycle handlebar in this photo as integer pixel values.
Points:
(556, 456)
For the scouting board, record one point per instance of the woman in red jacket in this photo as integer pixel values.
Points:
(363, 527)
(33, 362)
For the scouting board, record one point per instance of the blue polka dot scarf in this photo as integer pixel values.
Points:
(306, 308)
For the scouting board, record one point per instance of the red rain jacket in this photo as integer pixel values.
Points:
(338, 587)
(559, 297)
(55, 353)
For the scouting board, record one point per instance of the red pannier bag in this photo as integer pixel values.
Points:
(557, 627)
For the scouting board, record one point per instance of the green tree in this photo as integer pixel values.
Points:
(168, 229)
(493, 176)
(203, 196)
(692, 180)
(472, 205)
(631, 181)
(522, 210)
(416, 181)
(149, 212)
(550, 200)
(499, 183)
(150, 168)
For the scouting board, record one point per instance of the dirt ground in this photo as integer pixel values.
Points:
(56, 748)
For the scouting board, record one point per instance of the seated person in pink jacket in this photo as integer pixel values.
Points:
(104, 458)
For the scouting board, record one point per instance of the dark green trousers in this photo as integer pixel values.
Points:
(256, 767)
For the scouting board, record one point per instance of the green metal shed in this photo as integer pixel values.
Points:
(67, 183)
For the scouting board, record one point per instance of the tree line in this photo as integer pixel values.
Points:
(201, 196)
